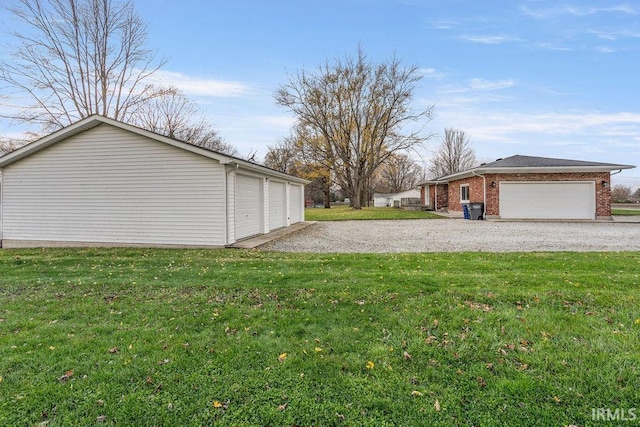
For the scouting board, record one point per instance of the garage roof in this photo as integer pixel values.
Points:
(96, 120)
(532, 164)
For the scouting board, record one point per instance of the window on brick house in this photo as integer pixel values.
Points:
(464, 193)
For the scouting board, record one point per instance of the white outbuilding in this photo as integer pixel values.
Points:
(103, 182)
(389, 200)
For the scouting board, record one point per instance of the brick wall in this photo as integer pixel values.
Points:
(603, 193)
(442, 196)
(476, 193)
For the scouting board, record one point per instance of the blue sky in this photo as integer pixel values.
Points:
(532, 77)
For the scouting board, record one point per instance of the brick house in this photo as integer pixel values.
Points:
(526, 187)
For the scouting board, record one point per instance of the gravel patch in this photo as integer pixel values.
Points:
(457, 235)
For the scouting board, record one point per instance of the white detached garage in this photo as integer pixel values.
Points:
(103, 182)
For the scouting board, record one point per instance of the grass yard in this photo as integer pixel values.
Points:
(342, 213)
(197, 337)
(625, 212)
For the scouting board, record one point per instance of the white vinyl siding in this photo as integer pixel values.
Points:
(249, 207)
(296, 203)
(548, 200)
(277, 205)
(108, 185)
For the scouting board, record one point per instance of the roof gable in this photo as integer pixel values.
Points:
(96, 120)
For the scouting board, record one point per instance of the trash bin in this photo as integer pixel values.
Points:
(465, 211)
(476, 210)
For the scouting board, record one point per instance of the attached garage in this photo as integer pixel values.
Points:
(548, 200)
(102, 182)
(528, 187)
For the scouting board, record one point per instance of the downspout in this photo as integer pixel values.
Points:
(484, 194)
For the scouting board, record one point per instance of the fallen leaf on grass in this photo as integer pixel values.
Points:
(481, 382)
(114, 350)
(66, 376)
(220, 405)
(406, 356)
(416, 393)
(101, 418)
(370, 365)
(282, 357)
(436, 405)
(282, 407)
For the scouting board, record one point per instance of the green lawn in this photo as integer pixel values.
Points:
(196, 337)
(625, 212)
(341, 213)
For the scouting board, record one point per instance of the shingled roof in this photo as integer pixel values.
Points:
(532, 164)
(519, 161)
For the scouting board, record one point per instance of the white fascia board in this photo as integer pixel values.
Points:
(556, 169)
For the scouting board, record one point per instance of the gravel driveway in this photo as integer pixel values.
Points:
(456, 235)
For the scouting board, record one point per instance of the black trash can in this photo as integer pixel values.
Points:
(476, 210)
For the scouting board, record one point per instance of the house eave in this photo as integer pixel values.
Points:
(533, 169)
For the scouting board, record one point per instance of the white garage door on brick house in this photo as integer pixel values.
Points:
(548, 200)
(102, 182)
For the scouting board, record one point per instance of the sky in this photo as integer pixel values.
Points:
(547, 78)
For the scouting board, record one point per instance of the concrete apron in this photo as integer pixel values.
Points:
(254, 242)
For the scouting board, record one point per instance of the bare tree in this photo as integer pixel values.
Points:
(287, 156)
(174, 115)
(454, 154)
(8, 145)
(620, 193)
(77, 58)
(351, 116)
(398, 173)
(284, 156)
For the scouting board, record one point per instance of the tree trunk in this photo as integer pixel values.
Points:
(327, 195)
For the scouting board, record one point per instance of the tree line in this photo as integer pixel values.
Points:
(356, 125)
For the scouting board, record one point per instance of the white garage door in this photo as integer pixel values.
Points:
(248, 212)
(277, 205)
(295, 203)
(547, 200)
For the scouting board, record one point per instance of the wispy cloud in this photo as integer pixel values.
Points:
(490, 125)
(443, 25)
(488, 39)
(605, 49)
(431, 73)
(479, 85)
(544, 13)
(485, 85)
(198, 86)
